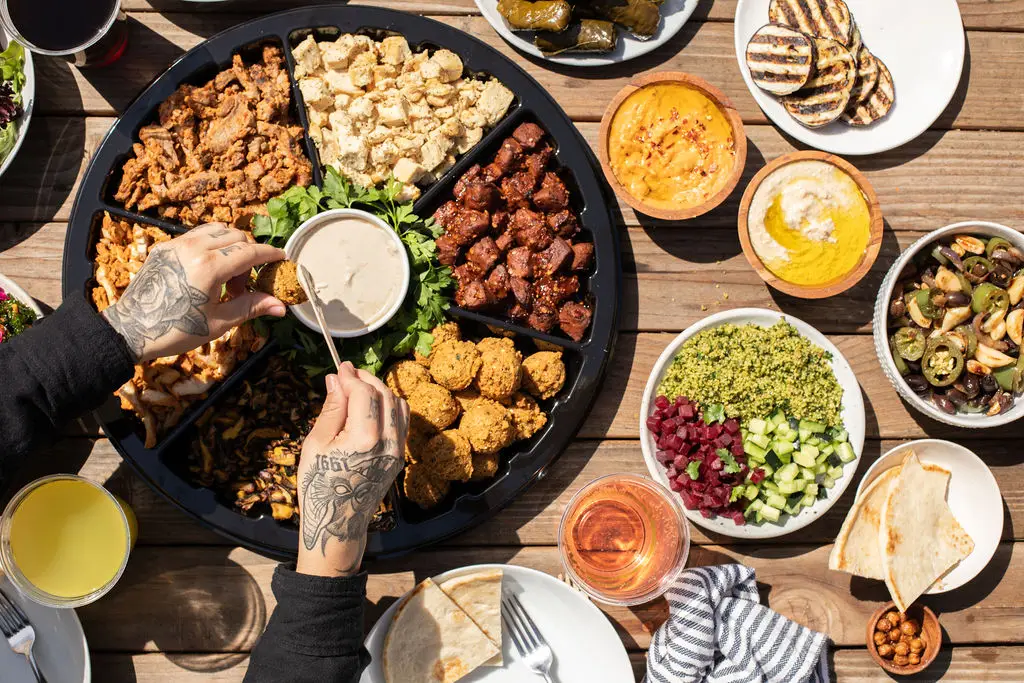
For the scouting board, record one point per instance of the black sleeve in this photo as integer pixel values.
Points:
(316, 633)
(64, 365)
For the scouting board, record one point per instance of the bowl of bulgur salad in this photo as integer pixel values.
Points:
(18, 311)
(755, 419)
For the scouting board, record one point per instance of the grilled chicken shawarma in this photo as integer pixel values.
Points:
(781, 59)
(819, 18)
(827, 94)
(878, 103)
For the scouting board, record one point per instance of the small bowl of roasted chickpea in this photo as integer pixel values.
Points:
(904, 643)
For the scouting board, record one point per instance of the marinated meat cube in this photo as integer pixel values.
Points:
(574, 319)
(520, 290)
(552, 195)
(473, 175)
(505, 240)
(536, 163)
(582, 256)
(484, 254)
(481, 196)
(548, 262)
(518, 312)
(542, 318)
(445, 214)
(553, 291)
(520, 262)
(467, 272)
(498, 283)
(530, 230)
(528, 135)
(448, 251)
(499, 219)
(472, 295)
(468, 226)
(563, 223)
(491, 173)
(517, 189)
(509, 155)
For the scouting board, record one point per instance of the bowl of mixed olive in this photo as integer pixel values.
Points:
(949, 321)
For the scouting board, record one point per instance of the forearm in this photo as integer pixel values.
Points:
(64, 365)
(316, 632)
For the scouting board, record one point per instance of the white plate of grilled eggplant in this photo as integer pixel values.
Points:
(851, 76)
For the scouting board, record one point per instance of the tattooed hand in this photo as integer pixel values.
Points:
(173, 303)
(349, 461)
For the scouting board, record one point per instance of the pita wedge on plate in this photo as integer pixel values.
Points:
(857, 550)
(920, 539)
(433, 640)
(479, 596)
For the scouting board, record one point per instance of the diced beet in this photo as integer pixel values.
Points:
(737, 516)
(723, 440)
(732, 426)
(680, 462)
(687, 412)
(757, 476)
(671, 472)
(654, 423)
(675, 485)
(674, 442)
(665, 457)
(668, 425)
(737, 448)
(715, 463)
(661, 402)
(682, 432)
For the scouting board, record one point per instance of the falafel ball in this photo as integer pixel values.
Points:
(442, 333)
(527, 417)
(500, 367)
(404, 375)
(544, 374)
(423, 487)
(488, 427)
(431, 406)
(454, 364)
(449, 455)
(281, 279)
(468, 398)
(485, 465)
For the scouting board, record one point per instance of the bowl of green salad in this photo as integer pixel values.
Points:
(18, 311)
(755, 419)
(17, 96)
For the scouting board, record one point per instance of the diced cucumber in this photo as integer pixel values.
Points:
(845, 451)
(770, 486)
(835, 434)
(808, 500)
(812, 489)
(778, 417)
(757, 426)
(776, 461)
(812, 441)
(835, 472)
(767, 469)
(750, 492)
(805, 457)
(788, 473)
(776, 501)
(755, 451)
(821, 468)
(805, 434)
(828, 482)
(770, 513)
(762, 440)
(807, 474)
(812, 426)
(754, 506)
(793, 509)
(782, 447)
(828, 449)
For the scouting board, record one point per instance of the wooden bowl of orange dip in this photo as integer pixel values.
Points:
(672, 145)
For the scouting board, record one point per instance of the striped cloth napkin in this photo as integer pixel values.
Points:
(719, 632)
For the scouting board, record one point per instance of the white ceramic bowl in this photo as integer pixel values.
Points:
(881, 331)
(852, 415)
(973, 497)
(20, 294)
(28, 100)
(304, 311)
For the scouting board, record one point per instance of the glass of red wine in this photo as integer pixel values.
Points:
(85, 32)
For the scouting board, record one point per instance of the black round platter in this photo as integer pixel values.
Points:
(164, 466)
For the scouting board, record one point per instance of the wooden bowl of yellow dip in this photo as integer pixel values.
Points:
(810, 224)
(672, 145)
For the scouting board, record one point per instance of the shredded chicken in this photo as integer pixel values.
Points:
(162, 389)
(220, 151)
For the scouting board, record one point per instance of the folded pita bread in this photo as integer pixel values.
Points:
(919, 538)
(857, 550)
(432, 640)
(479, 595)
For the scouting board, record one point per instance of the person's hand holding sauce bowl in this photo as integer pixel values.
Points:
(359, 268)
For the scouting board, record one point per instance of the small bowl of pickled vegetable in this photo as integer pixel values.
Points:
(949, 324)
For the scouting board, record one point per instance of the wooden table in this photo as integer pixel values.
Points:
(191, 605)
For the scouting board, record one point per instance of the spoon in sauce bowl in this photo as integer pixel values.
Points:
(306, 280)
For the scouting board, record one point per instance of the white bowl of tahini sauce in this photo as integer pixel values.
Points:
(359, 266)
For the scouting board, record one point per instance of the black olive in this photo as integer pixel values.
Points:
(944, 404)
(957, 299)
(914, 366)
(970, 384)
(917, 383)
(989, 385)
(956, 396)
(954, 258)
(898, 307)
(1001, 276)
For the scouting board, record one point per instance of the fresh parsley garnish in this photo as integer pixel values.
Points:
(427, 299)
(714, 412)
(693, 469)
(731, 466)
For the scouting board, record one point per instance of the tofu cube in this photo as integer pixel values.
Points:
(394, 50)
(408, 193)
(307, 58)
(362, 109)
(430, 69)
(408, 171)
(340, 122)
(494, 101)
(451, 128)
(379, 135)
(340, 83)
(361, 69)
(468, 139)
(393, 112)
(315, 93)
(335, 55)
(431, 155)
(342, 101)
(384, 154)
(472, 118)
(449, 65)
(352, 152)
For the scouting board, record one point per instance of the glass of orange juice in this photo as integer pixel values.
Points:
(65, 541)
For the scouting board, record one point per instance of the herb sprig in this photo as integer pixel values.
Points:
(425, 303)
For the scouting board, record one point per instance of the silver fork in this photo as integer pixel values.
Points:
(19, 633)
(534, 650)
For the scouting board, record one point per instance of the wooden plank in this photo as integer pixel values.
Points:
(989, 98)
(968, 664)
(216, 600)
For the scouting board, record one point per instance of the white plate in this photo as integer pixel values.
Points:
(973, 497)
(61, 650)
(28, 100)
(674, 14)
(852, 416)
(586, 647)
(920, 41)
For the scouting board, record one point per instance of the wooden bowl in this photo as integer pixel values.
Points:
(713, 94)
(930, 629)
(829, 288)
